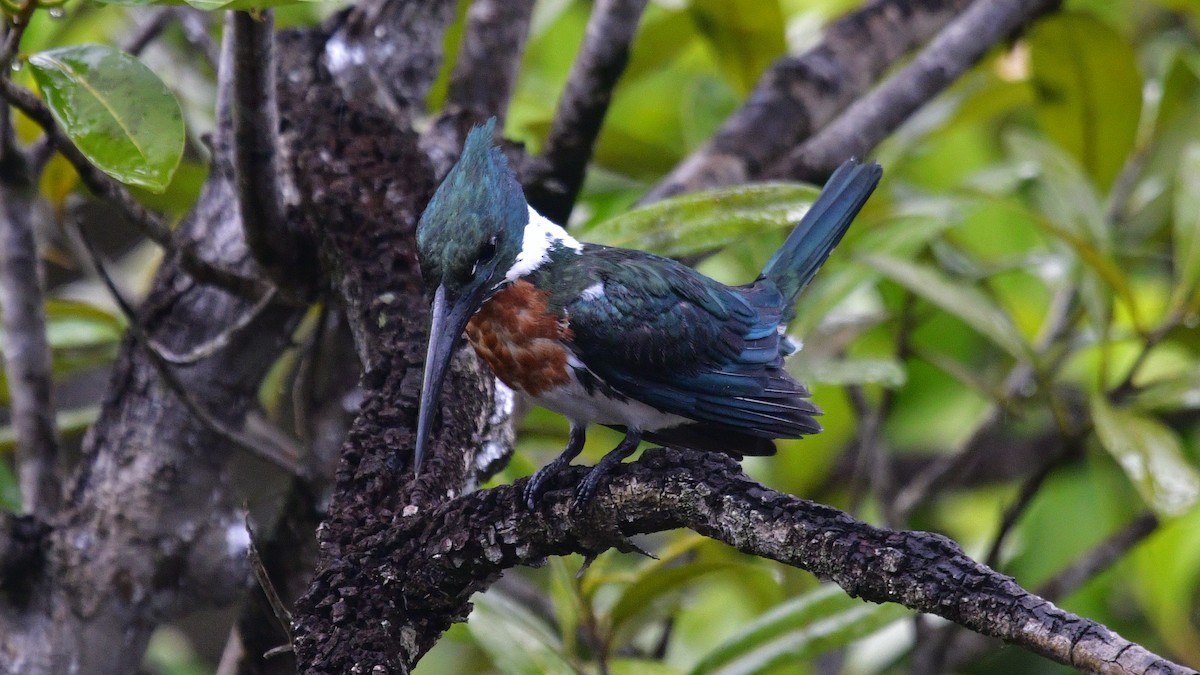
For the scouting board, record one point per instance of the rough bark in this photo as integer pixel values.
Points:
(800, 94)
(151, 527)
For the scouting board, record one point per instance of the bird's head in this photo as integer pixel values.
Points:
(469, 237)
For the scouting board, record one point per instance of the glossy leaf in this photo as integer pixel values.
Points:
(641, 667)
(705, 221)
(71, 324)
(115, 110)
(1185, 244)
(518, 642)
(1151, 455)
(747, 36)
(1179, 392)
(841, 372)
(963, 301)
(903, 236)
(820, 620)
(1088, 91)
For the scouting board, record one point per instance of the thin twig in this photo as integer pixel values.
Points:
(255, 138)
(220, 340)
(282, 615)
(1029, 489)
(556, 176)
(12, 38)
(195, 25)
(869, 120)
(115, 194)
(26, 351)
(270, 449)
(148, 30)
(1061, 316)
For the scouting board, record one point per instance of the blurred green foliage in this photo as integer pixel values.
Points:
(1043, 215)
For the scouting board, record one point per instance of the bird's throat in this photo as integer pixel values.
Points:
(541, 238)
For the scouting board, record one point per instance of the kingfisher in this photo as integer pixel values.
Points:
(617, 337)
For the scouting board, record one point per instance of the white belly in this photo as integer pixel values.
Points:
(573, 402)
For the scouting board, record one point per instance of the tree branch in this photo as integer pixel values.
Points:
(483, 77)
(152, 525)
(961, 648)
(490, 55)
(383, 55)
(26, 351)
(961, 44)
(555, 177)
(446, 554)
(800, 94)
(257, 174)
(105, 187)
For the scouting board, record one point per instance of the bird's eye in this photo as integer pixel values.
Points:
(488, 251)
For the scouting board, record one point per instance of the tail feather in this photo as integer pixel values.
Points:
(809, 245)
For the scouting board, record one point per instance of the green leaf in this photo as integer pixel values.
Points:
(650, 593)
(657, 579)
(817, 621)
(747, 36)
(518, 642)
(704, 221)
(1180, 86)
(965, 302)
(68, 422)
(903, 236)
(81, 336)
(1179, 392)
(1089, 91)
(71, 324)
(1186, 234)
(1151, 455)
(641, 667)
(115, 110)
(841, 372)
(1064, 193)
(10, 489)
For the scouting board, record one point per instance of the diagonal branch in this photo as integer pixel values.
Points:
(490, 55)
(800, 94)
(961, 44)
(556, 176)
(116, 195)
(483, 78)
(451, 552)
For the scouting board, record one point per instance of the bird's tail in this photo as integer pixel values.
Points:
(807, 247)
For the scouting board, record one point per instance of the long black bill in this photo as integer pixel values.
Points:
(444, 330)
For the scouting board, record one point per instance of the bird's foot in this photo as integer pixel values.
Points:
(539, 482)
(587, 487)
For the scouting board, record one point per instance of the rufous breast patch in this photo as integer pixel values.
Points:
(521, 340)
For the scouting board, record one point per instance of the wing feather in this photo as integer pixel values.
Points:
(668, 336)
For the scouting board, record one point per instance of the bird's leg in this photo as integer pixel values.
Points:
(587, 488)
(536, 486)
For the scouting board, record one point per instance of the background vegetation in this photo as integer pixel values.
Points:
(1005, 345)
